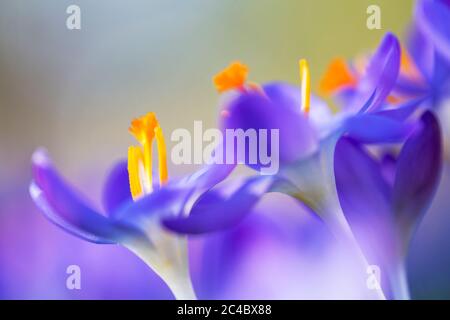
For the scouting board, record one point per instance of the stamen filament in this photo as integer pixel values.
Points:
(305, 79)
(148, 164)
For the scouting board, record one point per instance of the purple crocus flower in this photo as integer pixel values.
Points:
(384, 201)
(138, 210)
(425, 73)
(304, 121)
(308, 132)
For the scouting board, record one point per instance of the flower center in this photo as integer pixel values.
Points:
(146, 129)
(305, 80)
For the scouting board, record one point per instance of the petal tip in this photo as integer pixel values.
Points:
(41, 158)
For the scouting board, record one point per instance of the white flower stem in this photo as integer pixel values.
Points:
(399, 283)
(339, 227)
(182, 289)
(174, 273)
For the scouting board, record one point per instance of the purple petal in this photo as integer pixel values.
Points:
(363, 192)
(418, 173)
(441, 75)
(407, 87)
(402, 112)
(254, 110)
(287, 96)
(380, 76)
(168, 201)
(64, 207)
(364, 196)
(174, 199)
(209, 176)
(421, 50)
(215, 212)
(370, 128)
(284, 95)
(116, 190)
(433, 17)
(388, 168)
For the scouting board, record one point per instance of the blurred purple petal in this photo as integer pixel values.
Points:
(284, 95)
(254, 110)
(64, 207)
(370, 128)
(418, 173)
(421, 50)
(407, 87)
(441, 76)
(289, 96)
(215, 212)
(279, 251)
(167, 201)
(364, 196)
(388, 168)
(380, 76)
(433, 17)
(116, 190)
(30, 246)
(210, 175)
(403, 111)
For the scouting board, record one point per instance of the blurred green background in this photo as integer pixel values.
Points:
(75, 92)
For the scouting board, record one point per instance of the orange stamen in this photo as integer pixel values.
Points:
(407, 66)
(145, 130)
(232, 77)
(337, 76)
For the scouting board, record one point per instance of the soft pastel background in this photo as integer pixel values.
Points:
(75, 92)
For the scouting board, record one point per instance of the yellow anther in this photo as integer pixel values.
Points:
(232, 77)
(305, 79)
(140, 166)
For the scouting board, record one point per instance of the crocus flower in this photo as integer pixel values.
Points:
(308, 131)
(425, 72)
(352, 84)
(424, 77)
(138, 209)
(303, 120)
(384, 200)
